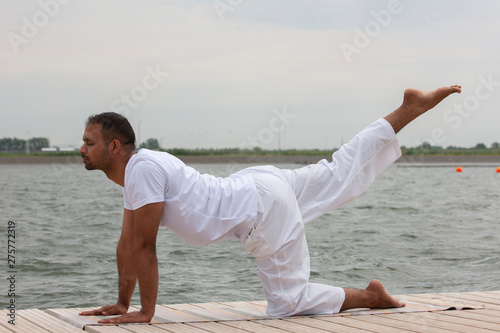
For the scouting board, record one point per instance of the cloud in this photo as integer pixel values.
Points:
(229, 75)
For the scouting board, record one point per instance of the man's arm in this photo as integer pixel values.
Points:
(145, 228)
(127, 277)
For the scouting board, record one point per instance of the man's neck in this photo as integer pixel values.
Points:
(117, 172)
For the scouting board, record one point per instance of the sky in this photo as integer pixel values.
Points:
(276, 74)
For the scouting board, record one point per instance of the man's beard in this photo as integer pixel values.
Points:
(88, 164)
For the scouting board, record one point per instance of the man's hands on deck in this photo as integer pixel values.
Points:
(118, 309)
(136, 258)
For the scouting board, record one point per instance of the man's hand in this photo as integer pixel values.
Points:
(131, 317)
(109, 310)
(118, 309)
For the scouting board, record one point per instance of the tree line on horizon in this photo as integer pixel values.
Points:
(427, 149)
(15, 145)
(423, 149)
(19, 146)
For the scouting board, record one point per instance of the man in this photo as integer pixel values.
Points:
(264, 207)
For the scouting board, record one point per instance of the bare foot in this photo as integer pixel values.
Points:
(418, 101)
(383, 299)
(374, 296)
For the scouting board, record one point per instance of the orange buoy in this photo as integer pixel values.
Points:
(459, 169)
(498, 170)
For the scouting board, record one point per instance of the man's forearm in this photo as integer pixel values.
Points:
(127, 277)
(146, 265)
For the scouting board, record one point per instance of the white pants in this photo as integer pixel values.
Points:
(290, 198)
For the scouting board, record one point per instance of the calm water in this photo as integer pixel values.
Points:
(415, 229)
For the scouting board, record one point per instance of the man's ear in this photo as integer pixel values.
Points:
(115, 146)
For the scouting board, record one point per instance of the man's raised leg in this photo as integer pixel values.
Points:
(374, 296)
(416, 103)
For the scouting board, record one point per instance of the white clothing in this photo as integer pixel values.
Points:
(265, 208)
(290, 198)
(199, 208)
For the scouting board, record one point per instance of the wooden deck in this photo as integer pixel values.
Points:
(480, 313)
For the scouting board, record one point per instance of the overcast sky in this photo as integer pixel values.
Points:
(241, 73)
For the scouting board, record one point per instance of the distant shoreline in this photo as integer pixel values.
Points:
(263, 159)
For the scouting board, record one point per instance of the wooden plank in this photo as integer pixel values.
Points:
(219, 314)
(252, 326)
(326, 326)
(216, 328)
(247, 309)
(446, 299)
(4, 329)
(4, 325)
(106, 329)
(390, 321)
(464, 296)
(359, 325)
(181, 313)
(289, 326)
(490, 294)
(71, 315)
(433, 320)
(480, 296)
(259, 303)
(21, 324)
(47, 321)
(493, 292)
(480, 315)
(214, 314)
(241, 310)
(493, 296)
(171, 315)
(181, 328)
(243, 304)
(488, 315)
(155, 328)
(182, 306)
(445, 316)
(488, 300)
(159, 328)
(227, 310)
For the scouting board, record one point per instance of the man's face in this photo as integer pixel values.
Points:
(94, 150)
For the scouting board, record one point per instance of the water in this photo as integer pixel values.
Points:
(415, 229)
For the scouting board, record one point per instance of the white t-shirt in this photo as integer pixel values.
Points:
(199, 208)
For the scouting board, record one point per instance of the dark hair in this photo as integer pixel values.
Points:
(114, 126)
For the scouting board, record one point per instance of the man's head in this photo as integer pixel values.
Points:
(106, 134)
